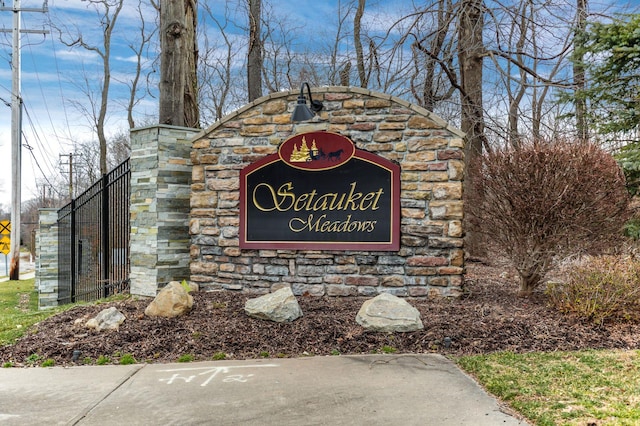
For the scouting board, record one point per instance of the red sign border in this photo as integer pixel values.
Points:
(392, 245)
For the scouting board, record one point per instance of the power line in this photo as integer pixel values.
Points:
(55, 61)
(46, 155)
(16, 134)
(44, 97)
(34, 159)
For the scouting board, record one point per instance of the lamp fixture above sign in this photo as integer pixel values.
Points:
(302, 112)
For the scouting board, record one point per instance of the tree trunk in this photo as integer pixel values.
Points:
(529, 281)
(357, 27)
(191, 110)
(579, 79)
(470, 54)
(254, 58)
(178, 56)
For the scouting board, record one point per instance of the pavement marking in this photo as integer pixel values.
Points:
(211, 373)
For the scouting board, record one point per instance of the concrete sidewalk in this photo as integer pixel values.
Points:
(339, 390)
(23, 276)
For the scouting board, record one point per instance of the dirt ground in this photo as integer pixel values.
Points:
(490, 317)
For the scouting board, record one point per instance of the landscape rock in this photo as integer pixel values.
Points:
(107, 319)
(389, 313)
(279, 306)
(172, 301)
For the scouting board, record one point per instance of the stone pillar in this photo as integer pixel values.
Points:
(47, 258)
(160, 194)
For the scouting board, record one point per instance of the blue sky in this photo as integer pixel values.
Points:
(52, 80)
(53, 74)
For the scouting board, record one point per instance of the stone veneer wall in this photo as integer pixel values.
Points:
(47, 258)
(159, 212)
(430, 261)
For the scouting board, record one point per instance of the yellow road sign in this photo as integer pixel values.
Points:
(5, 245)
(5, 227)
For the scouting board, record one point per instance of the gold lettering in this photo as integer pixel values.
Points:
(284, 199)
(322, 225)
(273, 197)
(311, 195)
(375, 203)
(284, 192)
(367, 197)
(338, 205)
(278, 197)
(353, 197)
(301, 199)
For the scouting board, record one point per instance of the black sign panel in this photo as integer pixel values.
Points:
(353, 203)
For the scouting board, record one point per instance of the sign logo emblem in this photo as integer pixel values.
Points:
(316, 151)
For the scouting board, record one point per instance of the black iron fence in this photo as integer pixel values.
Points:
(93, 240)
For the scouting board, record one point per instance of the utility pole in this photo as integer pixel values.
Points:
(16, 133)
(70, 164)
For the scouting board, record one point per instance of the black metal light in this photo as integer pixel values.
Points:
(302, 112)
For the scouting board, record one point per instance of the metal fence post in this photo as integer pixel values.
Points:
(73, 242)
(104, 273)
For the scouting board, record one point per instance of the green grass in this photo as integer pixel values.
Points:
(564, 388)
(103, 360)
(127, 359)
(186, 358)
(19, 309)
(48, 363)
(386, 349)
(219, 356)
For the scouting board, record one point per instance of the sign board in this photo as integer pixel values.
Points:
(320, 193)
(5, 245)
(5, 227)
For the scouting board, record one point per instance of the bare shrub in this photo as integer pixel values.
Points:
(599, 289)
(544, 201)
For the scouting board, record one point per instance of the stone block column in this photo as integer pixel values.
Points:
(47, 258)
(160, 194)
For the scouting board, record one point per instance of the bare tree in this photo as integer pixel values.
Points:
(363, 75)
(254, 51)
(339, 66)
(178, 58)
(579, 78)
(138, 48)
(433, 53)
(278, 58)
(215, 70)
(108, 11)
(470, 56)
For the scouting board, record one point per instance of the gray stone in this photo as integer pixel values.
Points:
(279, 306)
(172, 301)
(389, 313)
(107, 319)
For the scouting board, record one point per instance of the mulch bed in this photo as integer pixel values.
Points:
(490, 317)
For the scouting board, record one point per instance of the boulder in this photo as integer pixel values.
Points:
(389, 313)
(107, 319)
(172, 301)
(279, 306)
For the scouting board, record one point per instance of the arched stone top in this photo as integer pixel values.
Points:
(292, 95)
(429, 151)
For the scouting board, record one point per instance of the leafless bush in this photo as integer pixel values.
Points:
(544, 201)
(599, 289)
